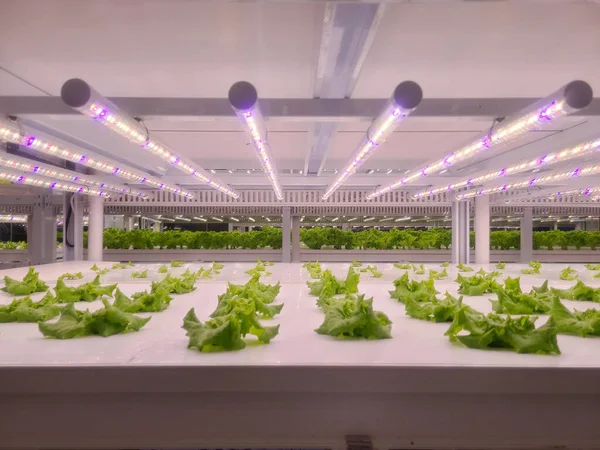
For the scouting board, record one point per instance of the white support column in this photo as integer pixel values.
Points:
(157, 227)
(41, 231)
(230, 227)
(95, 224)
(345, 226)
(286, 255)
(460, 232)
(527, 234)
(482, 229)
(73, 228)
(295, 239)
(129, 221)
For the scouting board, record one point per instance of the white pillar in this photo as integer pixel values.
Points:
(129, 222)
(156, 226)
(482, 229)
(73, 228)
(295, 239)
(527, 234)
(41, 231)
(96, 220)
(230, 227)
(460, 232)
(345, 226)
(286, 255)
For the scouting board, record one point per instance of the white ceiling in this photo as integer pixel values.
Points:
(182, 48)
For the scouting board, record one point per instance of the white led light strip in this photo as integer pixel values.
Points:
(572, 97)
(10, 131)
(252, 119)
(588, 170)
(381, 128)
(577, 151)
(13, 219)
(43, 182)
(81, 97)
(15, 162)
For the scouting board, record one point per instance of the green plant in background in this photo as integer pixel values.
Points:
(568, 274)
(140, 274)
(462, 268)
(483, 273)
(26, 310)
(403, 266)
(155, 301)
(71, 276)
(535, 267)
(501, 265)
(177, 285)
(592, 266)
(418, 270)
(476, 285)
(259, 268)
(13, 245)
(28, 285)
(314, 269)
(434, 310)
(163, 269)
(496, 332)
(87, 292)
(579, 291)
(120, 266)
(99, 271)
(356, 263)
(435, 275)
(372, 270)
(353, 317)
(580, 323)
(177, 263)
(104, 322)
(418, 291)
(328, 285)
(445, 264)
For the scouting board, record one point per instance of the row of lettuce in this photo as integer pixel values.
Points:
(335, 238)
(330, 238)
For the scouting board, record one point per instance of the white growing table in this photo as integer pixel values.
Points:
(147, 390)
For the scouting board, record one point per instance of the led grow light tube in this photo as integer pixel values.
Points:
(573, 97)
(576, 151)
(591, 169)
(404, 100)
(243, 98)
(44, 182)
(80, 96)
(13, 219)
(26, 165)
(11, 131)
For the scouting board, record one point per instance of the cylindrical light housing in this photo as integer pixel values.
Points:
(405, 99)
(44, 182)
(80, 96)
(243, 98)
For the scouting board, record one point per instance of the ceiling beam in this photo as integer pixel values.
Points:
(347, 34)
(315, 109)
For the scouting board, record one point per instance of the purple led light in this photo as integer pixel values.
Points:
(123, 190)
(102, 185)
(248, 114)
(396, 112)
(175, 161)
(161, 186)
(504, 187)
(36, 168)
(100, 194)
(116, 171)
(30, 141)
(143, 180)
(82, 158)
(80, 190)
(75, 178)
(20, 179)
(486, 142)
(576, 172)
(502, 172)
(587, 192)
(53, 185)
(532, 181)
(103, 113)
(470, 181)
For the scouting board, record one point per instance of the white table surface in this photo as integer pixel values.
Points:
(417, 390)
(162, 342)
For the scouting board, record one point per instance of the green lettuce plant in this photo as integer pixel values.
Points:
(535, 267)
(372, 270)
(259, 294)
(177, 263)
(436, 275)
(71, 276)
(26, 310)
(155, 301)
(99, 271)
(104, 322)
(496, 332)
(580, 323)
(87, 292)
(501, 265)
(140, 274)
(30, 284)
(462, 268)
(418, 291)
(434, 310)
(476, 285)
(579, 291)
(568, 274)
(353, 317)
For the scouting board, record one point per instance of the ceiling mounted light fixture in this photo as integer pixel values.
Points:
(551, 177)
(14, 131)
(570, 98)
(80, 96)
(405, 99)
(49, 183)
(243, 98)
(26, 165)
(217, 219)
(566, 154)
